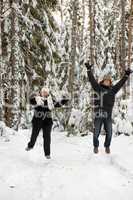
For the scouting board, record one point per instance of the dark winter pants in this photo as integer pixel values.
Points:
(37, 125)
(98, 122)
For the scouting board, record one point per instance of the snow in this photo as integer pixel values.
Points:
(74, 172)
(34, 3)
(75, 118)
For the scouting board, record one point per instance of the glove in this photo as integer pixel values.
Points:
(128, 71)
(88, 66)
(64, 101)
(39, 100)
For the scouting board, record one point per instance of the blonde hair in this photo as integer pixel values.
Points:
(45, 89)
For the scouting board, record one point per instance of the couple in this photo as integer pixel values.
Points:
(104, 99)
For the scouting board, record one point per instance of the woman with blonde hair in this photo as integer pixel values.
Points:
(42, 118)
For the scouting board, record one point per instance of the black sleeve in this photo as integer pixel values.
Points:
(93, 82)
(33, 101)
(61, 103)
(119, 85)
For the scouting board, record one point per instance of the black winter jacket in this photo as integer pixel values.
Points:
(43, 113)
(104, 96)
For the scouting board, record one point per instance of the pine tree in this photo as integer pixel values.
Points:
(1, 13)
(30, 53)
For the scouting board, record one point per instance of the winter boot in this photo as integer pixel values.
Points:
(96, 150)
(107, 150)
(28, 149)
(48, 157)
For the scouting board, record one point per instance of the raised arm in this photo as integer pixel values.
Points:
(92, 80)
(120, 84)
(32, 99)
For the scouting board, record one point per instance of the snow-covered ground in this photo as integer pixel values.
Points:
(73, 173)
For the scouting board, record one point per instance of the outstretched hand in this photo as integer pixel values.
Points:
(88, 66)
(128, 71)
(39, 100)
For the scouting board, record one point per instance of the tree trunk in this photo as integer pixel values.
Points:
(92, 43)
(1, 59)
(123, 46)
(61, 12)
(130, 34)
(123, 29)
(130, 26)
(73, 48)
(92, 31)
(11, 97)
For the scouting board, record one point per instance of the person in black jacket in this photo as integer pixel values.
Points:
(104, 98)
(42, 119)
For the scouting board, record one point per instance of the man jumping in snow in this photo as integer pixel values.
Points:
(104, 98)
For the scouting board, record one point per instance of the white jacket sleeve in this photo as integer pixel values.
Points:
(39, 101)
(50, 103)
